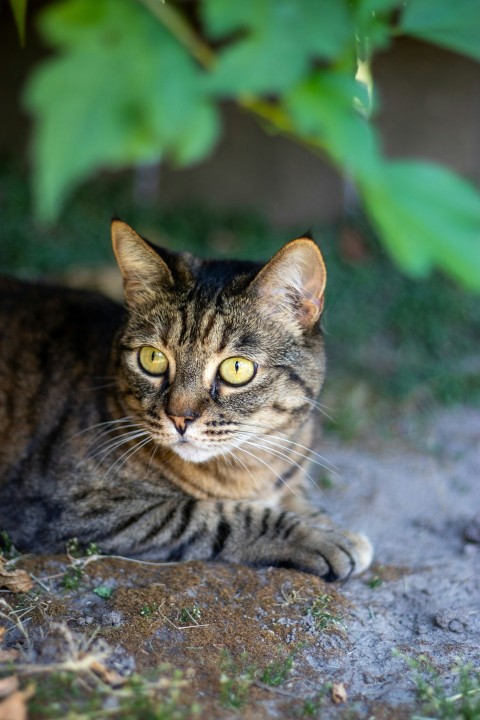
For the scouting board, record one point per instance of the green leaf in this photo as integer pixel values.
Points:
(274, 41)
(427, 217)
(199, 132)
(19, 9)
(123, 91)
(454, 25)
(71, 24)
(322, 109)
(103, 592)
(373, 24)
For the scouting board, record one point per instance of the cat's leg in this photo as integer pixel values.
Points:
(243, 532)
(301, 504)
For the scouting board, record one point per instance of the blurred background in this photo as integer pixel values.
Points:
(393, 342)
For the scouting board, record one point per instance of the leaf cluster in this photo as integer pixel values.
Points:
(138, 81)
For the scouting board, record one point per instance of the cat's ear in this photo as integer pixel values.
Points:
(144, 272)
(291, 286)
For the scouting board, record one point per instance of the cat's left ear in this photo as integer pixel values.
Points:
(144, 272)
(291, 286)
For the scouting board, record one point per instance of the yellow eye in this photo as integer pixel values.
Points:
(152, 360)
(237, 370)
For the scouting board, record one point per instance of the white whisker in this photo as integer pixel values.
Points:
(114, 429)
(242, 449)
(330, 466)
(106, 447)
(268, 439)
(123, 420)
(155, 448)
(127, 455)
(318, 406)
(279, 454)
(255, 482)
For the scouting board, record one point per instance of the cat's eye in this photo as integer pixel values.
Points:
(237, 370)
(153, 361)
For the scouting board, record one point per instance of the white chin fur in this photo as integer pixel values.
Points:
(187, 452)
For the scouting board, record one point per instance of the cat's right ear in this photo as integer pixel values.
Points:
(144, 272)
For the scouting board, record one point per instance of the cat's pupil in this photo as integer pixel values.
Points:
(237, 365)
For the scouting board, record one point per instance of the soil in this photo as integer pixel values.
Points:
(277, 643)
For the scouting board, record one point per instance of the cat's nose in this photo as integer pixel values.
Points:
(181, 421)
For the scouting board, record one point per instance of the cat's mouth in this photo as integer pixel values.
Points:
(193, 447)
(197, 449)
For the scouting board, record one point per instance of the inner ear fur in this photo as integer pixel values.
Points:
(292, 284)
(144, 272)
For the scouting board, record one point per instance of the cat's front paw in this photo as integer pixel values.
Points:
(361, 549)
(335, 554)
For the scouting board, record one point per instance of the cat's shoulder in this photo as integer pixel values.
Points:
(39, 291)
(39, 301)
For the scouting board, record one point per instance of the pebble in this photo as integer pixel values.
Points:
(450, 619)
(472, 530)
(114, 618)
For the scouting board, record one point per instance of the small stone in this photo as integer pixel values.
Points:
(455, 626)
(339, 693)
(450, 619)
(472, 531)
(113, 618)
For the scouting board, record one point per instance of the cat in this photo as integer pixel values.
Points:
(178, 427)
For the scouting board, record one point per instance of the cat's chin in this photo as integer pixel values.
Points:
(193, 454)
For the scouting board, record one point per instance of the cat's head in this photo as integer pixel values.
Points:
(214, 353)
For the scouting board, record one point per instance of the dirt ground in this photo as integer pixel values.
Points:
(273, 643)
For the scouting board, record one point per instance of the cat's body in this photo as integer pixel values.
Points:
(177, 429)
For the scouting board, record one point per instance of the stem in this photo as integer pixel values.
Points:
(267, 112)
(181, 31)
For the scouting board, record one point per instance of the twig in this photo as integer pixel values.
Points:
(273, 689)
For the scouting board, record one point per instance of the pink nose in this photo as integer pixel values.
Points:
(181, 422)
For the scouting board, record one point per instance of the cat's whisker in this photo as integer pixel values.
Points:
(318, 406)
(281, 455)
(329, 466)
(291, 451)
(284, 444)
(127, 455)
(134, 427)
(226, 459)
(277, 475)
(316, 401)
(155, 448)
(126, 419)
(111, 445)
(239, 460)
(94, 388)
(121, 433)
(283, 451)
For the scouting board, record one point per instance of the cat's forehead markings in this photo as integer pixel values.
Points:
(207, 325)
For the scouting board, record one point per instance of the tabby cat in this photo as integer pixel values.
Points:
(178, 428)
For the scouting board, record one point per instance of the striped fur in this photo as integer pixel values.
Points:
(89, 449)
